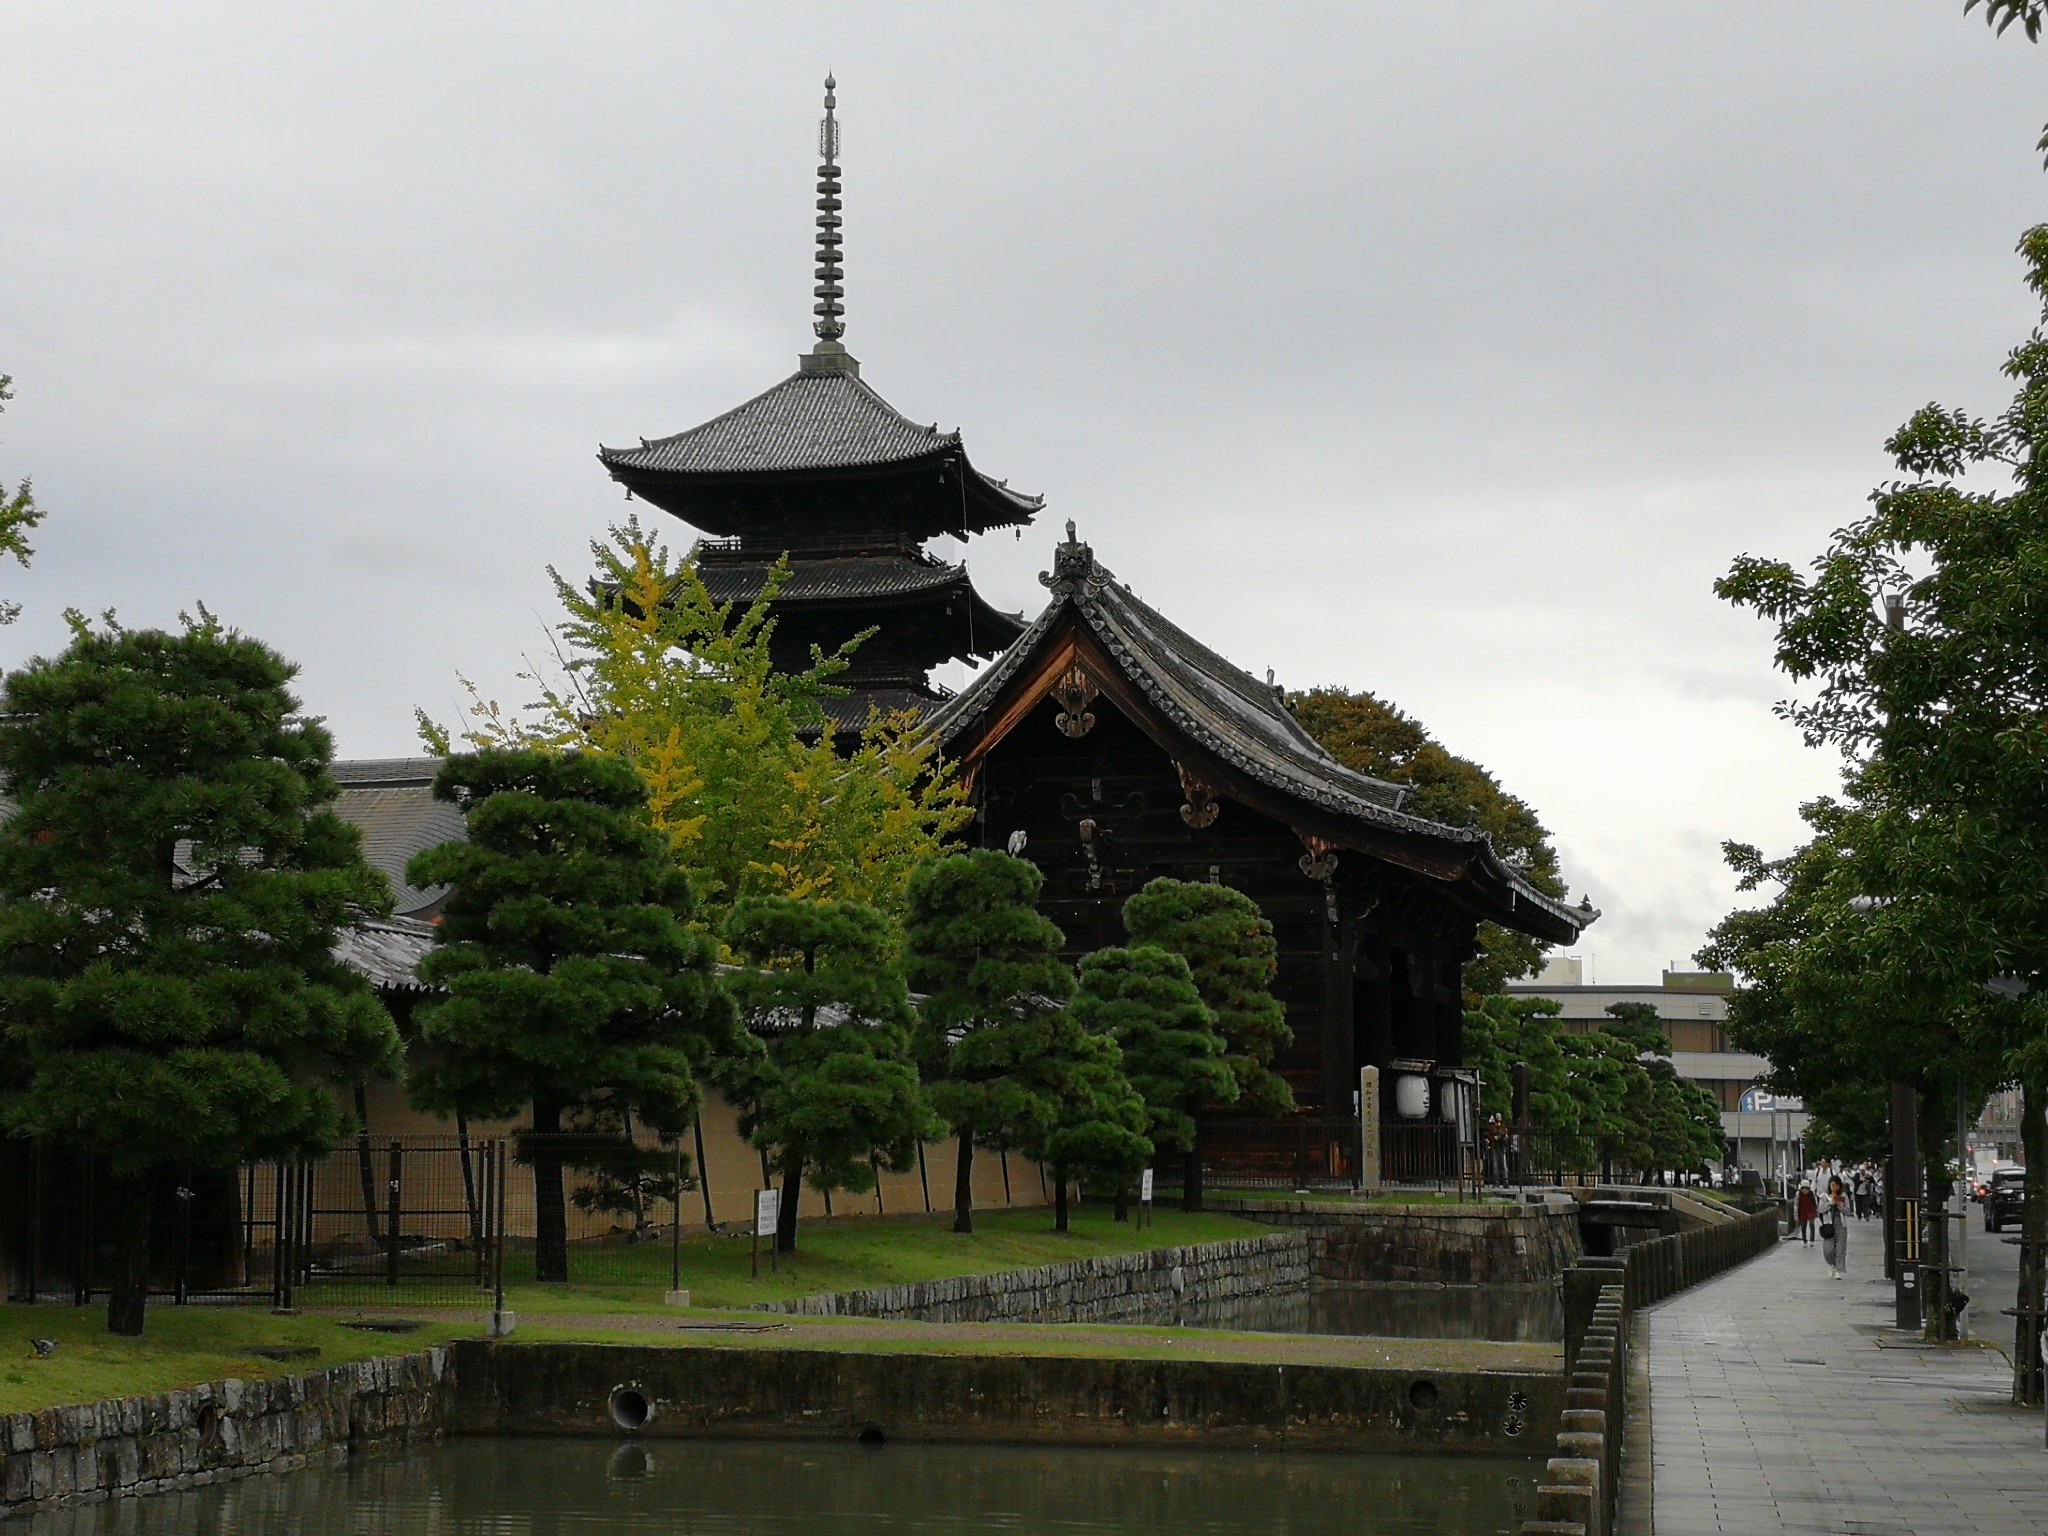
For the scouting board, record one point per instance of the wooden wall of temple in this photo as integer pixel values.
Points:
(1102, 814)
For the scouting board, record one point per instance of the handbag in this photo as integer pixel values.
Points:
(1827, 1223)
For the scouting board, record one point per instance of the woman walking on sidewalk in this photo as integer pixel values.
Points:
(1834, 1230)
(1803, 1213)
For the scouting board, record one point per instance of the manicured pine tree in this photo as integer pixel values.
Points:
(1098, 1126)
(828, 1087)
(568, 979)
(994, 1016)
(1145, 999)
(172, 884)
(1229, 946)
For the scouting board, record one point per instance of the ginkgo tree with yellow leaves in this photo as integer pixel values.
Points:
(747, 780)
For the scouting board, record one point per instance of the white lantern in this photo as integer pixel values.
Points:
(1411, 1096)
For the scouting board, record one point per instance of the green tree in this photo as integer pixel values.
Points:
(172, 883)
(745, 778)
(1612, 1091)
(1230, 950)
(832, 1092)
(18, 515)
(994, 1020)
(1145, 999)
(1501, 1031)
(1373, 737)
(1097, 1132)
(1682, 1122)
(568, 983)
(1940, 707)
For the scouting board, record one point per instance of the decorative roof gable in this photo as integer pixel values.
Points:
(1244, 724)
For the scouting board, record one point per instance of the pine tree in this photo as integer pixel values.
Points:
(172, 884)
(994, 1012)
(1097, 1131)
(1145, 1000)
(1229, 946)
(568, 979)
(831, 1089)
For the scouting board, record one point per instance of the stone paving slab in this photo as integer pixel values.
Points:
(1782, 1401)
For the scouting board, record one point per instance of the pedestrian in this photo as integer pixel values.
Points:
(1803, 1212)
(1866, 1193)
(1834, 1229)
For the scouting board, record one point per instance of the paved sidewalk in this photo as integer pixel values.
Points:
(1782, 1400)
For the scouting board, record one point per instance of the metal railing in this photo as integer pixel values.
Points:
(379, 1220)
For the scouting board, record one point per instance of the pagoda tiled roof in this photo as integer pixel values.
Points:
(1221, 708)
(812, 421)
(867, 579)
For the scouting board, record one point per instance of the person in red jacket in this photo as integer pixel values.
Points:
(1804, 1210)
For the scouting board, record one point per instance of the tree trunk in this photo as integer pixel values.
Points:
(128, 1286)
(550, 1214)
(1123, 1202)
(366, 1168)
(1191, 1171)
(1059, 1197)
(963, 1183)
(792, 1191)
(2026, 1350)
(1938, 1321)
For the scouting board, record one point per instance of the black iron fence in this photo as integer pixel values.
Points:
(1298, 1153)
(381, 1220)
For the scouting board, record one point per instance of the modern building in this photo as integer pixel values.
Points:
(1765, 1131)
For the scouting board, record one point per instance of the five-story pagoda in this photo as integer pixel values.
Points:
(823, 470)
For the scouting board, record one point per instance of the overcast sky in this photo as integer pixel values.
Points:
(1445, 351)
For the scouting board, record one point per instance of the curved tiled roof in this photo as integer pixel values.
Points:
(810, 421)
(813, 580)
(1223, 709)
(392, 801)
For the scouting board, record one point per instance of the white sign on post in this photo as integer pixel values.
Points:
(1145, 1187)
(766, 1208)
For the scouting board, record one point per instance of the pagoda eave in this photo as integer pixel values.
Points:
(927, 492)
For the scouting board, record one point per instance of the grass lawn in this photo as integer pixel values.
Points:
(181, 1346)
(851, 1255)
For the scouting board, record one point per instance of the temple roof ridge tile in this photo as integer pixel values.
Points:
(1222, 708)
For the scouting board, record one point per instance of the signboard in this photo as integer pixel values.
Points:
(1369, 1127)
(1761, 1101)
(1145, 1187)
(767, 1207)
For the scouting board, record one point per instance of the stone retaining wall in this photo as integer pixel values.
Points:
(508, 1388)
(1384, 1243)
(1109, 1289)
(220, 1430)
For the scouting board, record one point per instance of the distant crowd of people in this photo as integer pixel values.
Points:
(1829, 1195)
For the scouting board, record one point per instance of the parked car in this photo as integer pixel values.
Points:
(2004, 1198)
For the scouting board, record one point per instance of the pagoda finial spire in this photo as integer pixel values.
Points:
(831, 323)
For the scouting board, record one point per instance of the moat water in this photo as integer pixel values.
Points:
(517, 1487)
(1514, 1313)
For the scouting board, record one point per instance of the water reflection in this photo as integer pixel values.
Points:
(710, 1488)
(1533, 1313)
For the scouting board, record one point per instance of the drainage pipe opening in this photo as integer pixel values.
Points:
(631, 1407)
